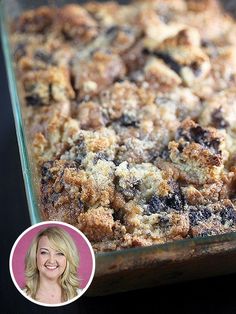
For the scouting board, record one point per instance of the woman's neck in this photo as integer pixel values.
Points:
(48, 284)
(49, 291)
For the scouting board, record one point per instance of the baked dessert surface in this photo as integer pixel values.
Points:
(131, 116)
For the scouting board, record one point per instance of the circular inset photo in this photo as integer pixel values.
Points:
(52, 263)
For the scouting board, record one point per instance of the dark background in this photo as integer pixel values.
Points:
(215, 295)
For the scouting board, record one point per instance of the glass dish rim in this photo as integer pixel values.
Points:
(16, 108)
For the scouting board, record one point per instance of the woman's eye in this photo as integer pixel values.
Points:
(60, 254)
(43, 252)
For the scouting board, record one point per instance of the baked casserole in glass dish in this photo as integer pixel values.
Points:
(126, 122)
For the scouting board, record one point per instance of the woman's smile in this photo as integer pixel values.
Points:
(51, 267)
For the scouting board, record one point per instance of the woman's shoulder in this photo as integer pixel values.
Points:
(25, 291)
(79, 291)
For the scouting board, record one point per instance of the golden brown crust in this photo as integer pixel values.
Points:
(202, 5)
(35, 20)
(77, 24)
(197, 153)
(42, 87)
(98, 73)
(96, 224)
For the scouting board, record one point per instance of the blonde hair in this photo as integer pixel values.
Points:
(61, 241)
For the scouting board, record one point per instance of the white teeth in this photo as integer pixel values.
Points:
(51, 267)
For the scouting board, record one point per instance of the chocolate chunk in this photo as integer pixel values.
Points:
(19, 51)
(181, 148)
(67, 36)
(79, 158)
(45, 171)
(81, 150)
(228, 216)
(119, 80)
(117, 162)
(175, 200)
(172, 201)
(205, 43)
(201, 136)
(33, 100)
(118, 215)
(155, 205)
(196, 69)
(100, 156)
(43, 56)
(129, 121)
(198, 214)
(214, 146)
(164, 222)
(129, 193)
(198, 134)
(218, 120)
(131, 189)
(80, 205)
(112, 30)
(164, 153)
(176, 67)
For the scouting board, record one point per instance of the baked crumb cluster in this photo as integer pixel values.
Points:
(131, 115)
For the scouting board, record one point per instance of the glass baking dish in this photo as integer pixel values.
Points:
(130, 268)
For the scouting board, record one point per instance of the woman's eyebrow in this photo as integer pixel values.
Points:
(43, 248)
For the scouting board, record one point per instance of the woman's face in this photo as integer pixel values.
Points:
(50, 262)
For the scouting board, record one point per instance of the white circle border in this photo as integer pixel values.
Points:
(53, 223)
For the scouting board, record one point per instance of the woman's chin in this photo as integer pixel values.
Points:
(50, 274)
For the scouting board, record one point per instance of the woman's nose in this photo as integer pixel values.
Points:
(52, 258)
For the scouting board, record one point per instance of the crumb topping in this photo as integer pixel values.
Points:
(130, 115)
